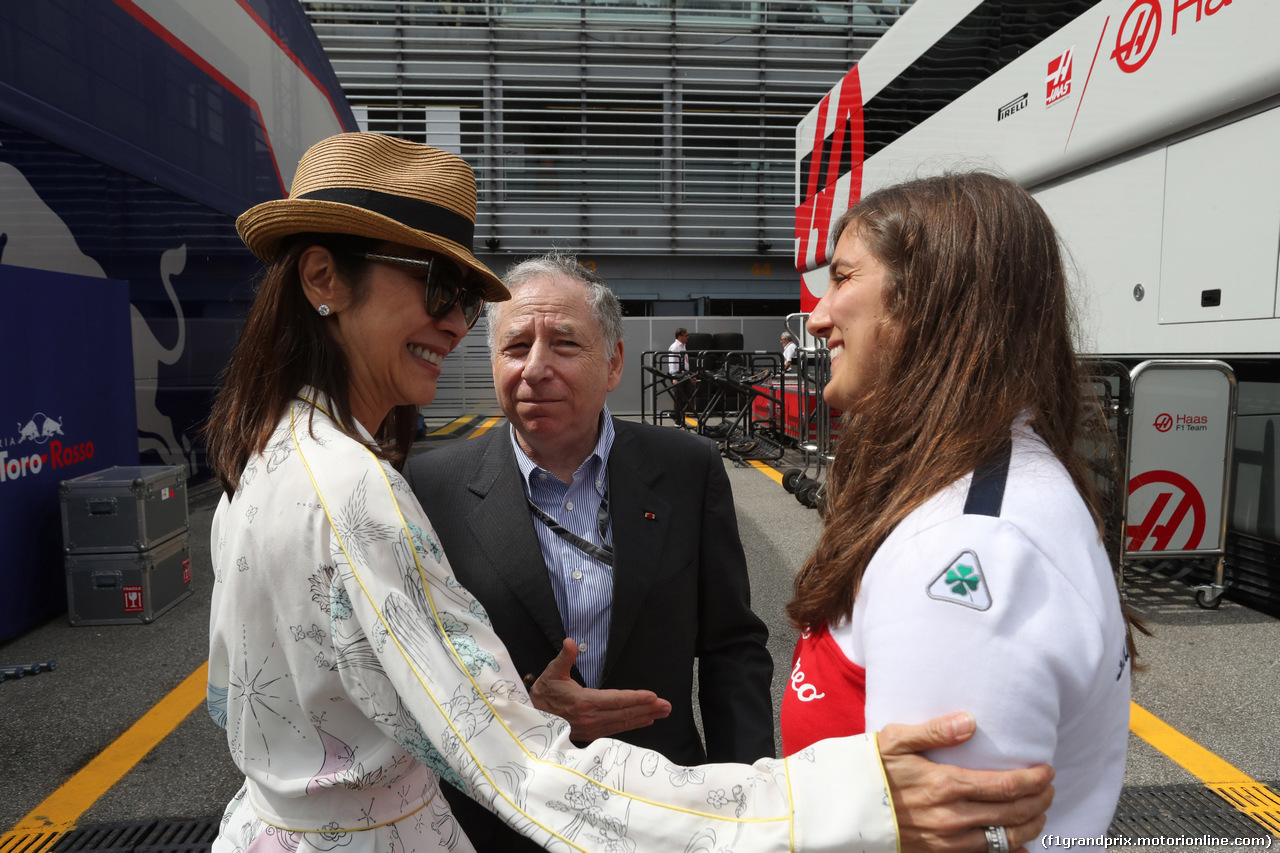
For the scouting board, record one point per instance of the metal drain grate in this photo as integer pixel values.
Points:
(1179, 810)
(1257, 801)
(1143, 813)
(191, 836)
(164, 836)
(104, 837)
(27, 842)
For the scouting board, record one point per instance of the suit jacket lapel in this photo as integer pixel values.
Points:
(501, 524)
(638, 539)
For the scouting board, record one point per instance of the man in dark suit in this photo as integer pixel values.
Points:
(606, 621)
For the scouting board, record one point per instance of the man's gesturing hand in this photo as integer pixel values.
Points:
(592, 713)
(944, 808)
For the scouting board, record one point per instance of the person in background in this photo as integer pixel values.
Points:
(603, 548)
(349, 668)
(963, 537)
(789, 349)
(682, 381)
(679, 363)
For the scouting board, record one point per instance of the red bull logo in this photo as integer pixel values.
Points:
(40, 429)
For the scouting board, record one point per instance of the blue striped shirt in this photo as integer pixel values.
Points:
(583, 586)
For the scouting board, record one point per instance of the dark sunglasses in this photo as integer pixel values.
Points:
(445, 285)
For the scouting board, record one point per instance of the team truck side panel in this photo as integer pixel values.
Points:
(1146, 128)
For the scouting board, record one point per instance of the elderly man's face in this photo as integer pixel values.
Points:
(550, 366)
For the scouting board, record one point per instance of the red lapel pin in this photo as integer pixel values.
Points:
(650, 516)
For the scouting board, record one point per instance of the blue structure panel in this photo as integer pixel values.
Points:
(69, 411)
(92, 78)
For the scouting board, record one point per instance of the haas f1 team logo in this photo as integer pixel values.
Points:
(1058, 83)
(1141, 27)
(1136, 39)
(1175, 499)
(837, 152)
(1181, 423)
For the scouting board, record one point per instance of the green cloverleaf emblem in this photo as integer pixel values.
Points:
(961, 580)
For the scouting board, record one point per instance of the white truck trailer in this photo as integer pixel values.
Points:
(1148, 130)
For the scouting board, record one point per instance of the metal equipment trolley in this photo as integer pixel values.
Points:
(732, 396)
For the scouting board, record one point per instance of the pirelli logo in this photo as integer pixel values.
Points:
(1012, 107)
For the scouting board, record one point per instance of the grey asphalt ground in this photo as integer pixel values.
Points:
(1212, 675)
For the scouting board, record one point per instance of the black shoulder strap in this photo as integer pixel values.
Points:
(986, 492)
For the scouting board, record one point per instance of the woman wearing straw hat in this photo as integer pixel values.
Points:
(349, 669)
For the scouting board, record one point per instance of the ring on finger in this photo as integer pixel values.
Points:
(997, 839)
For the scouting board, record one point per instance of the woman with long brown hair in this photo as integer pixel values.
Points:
(353, 673)
(962, 563)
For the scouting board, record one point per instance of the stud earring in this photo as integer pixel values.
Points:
(323, 310)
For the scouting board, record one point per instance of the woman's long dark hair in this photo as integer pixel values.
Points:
(978, 331)
(283, 347)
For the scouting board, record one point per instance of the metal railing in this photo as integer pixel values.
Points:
(735, 397)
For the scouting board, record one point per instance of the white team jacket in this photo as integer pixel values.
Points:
(1030, 640)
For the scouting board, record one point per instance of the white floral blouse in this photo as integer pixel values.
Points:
(351, 672)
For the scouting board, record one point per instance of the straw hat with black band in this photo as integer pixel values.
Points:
(372, 185)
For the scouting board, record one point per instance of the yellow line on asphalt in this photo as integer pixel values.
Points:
(63, 807)
(454, 425)
(768, 469)
(1247, 796)
(485, 427)
(1186, 753)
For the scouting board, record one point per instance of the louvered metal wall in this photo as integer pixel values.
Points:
(610, 127)
(654, 138)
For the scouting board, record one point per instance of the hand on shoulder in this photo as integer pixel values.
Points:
(941, 807)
